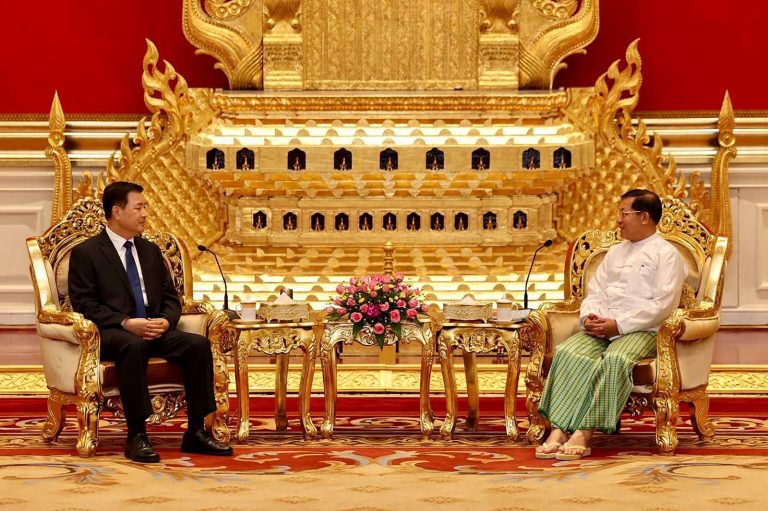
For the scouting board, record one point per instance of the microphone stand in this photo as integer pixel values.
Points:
(232, 314)
(533, 259)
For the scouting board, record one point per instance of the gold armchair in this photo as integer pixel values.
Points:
(70, 344)
(685, 343)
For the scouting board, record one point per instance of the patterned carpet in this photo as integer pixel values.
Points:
(380, 464)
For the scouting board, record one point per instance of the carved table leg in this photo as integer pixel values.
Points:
(241, 387)
(305, 392)
(425, 409)
(328, 362)
(446, 366)
(510, 392)
(473, 394)
(281, 389)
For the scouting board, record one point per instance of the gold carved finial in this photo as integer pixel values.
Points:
(541, 56)
(721, 199)
(62, 180)
(389, 258)
(231, 33)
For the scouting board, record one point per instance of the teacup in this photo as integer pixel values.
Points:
(247, 310)
(504, 311)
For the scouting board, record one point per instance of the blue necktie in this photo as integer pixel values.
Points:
(133, 278)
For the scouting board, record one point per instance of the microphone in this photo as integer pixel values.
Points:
(203, 248)
(547, 243)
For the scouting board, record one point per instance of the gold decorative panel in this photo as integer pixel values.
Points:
(390, 44)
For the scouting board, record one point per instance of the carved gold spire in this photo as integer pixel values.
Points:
(62, 180)
(156, 155)
(231, 33)
(626, 156)
(721, 199)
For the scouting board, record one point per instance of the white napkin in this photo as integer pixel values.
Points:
(283, 299)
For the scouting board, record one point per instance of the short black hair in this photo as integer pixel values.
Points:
(646, 201)
(116, 194)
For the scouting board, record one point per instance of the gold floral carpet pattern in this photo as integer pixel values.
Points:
(380, 464)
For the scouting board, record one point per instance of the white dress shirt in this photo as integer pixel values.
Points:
(119, 242)
(638, 284)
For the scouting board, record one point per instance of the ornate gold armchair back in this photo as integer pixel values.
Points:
(70, 344)
(685, 344)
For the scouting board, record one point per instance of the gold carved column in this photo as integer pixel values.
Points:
(283, 59)
(499, 44)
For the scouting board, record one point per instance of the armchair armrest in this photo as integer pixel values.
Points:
(71, 348)
(64, 326)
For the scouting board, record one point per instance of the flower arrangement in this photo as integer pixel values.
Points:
(379, 302)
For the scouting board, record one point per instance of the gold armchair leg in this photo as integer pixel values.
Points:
(700, 418)
(473, 394)
(667, 410)
(55, 421)
(281, 386)
(88, 422)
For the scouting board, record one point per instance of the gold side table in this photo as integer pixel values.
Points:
(473, 338)
(335, 333)
(277, 339)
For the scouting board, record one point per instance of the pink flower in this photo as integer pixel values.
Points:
(413, 303)
(356, 317)
(337, 301)
(374, 294)
(411, 313)
(353, 281)
(350, 302)
(384, 306)
(341, 311)
(364, 308)
(378, 329)
(372, 312)
(386, 279)
(424, 308)
(328, 310)
(340, 289)
(351, 290)
(394, 316)
(401, 303)
(399, 277)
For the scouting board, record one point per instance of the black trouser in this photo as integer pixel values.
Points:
(192, 352)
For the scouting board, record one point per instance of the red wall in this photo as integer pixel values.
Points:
(92, 50)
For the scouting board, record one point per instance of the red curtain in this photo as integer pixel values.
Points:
(92, 50)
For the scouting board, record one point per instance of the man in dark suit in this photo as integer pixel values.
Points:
(119, 281)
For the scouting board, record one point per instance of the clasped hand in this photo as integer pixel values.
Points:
(147, 328)
(604, 328)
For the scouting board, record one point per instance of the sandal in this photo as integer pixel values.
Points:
(547, 455)
(581, 451)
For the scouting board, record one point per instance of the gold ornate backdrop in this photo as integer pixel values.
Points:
(336, 79)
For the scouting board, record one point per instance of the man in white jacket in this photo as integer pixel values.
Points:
(636, 287)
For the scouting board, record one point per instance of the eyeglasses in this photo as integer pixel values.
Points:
(625, 213)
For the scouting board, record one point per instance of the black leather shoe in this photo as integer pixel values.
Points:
(201, 442)
(140, 450)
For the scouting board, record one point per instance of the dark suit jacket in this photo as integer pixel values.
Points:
(99, 287)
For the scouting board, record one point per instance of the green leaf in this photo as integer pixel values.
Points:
(356, 328)
(397, 329)
(380, 340)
